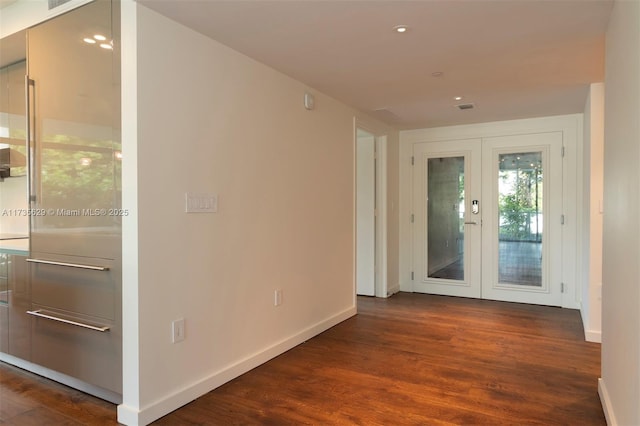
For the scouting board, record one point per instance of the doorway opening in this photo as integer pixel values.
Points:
(370, 213)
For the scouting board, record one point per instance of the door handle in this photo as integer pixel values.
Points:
(70, 265)
(473, 222)
(40, 313)
(31, 139)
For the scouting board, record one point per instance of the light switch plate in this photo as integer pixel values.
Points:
(177, 330)
(309, 101)
(201, 203)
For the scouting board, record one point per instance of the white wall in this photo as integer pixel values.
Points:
(571, 128)
(591, 227)
(212, 120)
(620, 383)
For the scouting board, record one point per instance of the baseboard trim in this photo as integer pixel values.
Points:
(593, 336)
(606, 403)
(133, 417)
(393, 290)
(72, 382)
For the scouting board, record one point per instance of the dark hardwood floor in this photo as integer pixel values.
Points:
(408, 360)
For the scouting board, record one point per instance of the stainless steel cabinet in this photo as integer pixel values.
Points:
(76, 317)
(4, 302)
(19, 303)
(15, 323)
(74, 188)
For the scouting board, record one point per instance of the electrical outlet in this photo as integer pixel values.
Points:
(177, 330)
(277, 298)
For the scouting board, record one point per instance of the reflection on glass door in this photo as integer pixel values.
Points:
(522, 230)
(74, 123)
(520, 210)
(445, 218)
(447, 234)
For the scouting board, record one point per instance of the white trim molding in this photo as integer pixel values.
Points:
(594, 336)
(606, 403)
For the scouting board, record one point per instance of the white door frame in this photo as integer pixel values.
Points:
(381, 285)
(571, 128)
(366, 237)
(549, 144)
(471, 151)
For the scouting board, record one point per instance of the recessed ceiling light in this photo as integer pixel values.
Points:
(458, 98)
(106, 46)
(437, 74)
(89, 40)
(400, 28)
(99, 37)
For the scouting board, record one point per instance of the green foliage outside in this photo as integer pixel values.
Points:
(77, 174)
(520, 204)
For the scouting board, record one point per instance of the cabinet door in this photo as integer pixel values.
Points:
(4, 303)
(73, 93)
(63, 341)
(74, 120)
(19, 303)
(76, 317)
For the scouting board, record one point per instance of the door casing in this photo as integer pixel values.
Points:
(571, 128)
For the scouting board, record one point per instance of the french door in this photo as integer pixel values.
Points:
(487, 218)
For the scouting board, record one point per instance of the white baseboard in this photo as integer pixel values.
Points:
(393, 289)
(134, 417)
(594, 336)
(606, 403)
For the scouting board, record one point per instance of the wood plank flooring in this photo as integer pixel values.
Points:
(408, 360)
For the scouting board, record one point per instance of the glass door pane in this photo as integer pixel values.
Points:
(445, 218)
(520, 210)
(74, 93)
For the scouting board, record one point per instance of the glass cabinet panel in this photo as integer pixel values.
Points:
(74, 117)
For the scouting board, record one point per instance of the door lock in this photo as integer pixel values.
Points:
(475, 207)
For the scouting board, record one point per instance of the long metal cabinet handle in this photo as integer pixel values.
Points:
(38, 313)
(69, 265)
(31, 139)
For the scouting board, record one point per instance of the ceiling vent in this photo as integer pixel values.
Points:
(385, 115)
(465, 106)
(55, 3)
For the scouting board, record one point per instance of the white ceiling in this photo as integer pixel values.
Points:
(512, 59)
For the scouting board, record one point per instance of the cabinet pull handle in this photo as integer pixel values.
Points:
(38, 313)
(69, 265)
(31, 139)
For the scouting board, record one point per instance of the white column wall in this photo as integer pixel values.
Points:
(620, 383)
